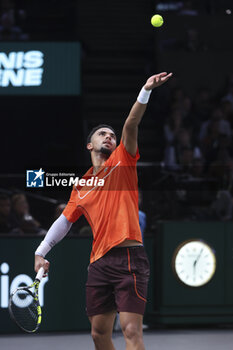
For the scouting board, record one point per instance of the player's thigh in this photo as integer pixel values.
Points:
(103, 323)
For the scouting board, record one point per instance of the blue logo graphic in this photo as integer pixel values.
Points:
(35, 178)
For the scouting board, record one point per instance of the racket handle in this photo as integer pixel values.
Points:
(40, 274)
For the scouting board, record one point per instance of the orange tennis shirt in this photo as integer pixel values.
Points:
(111, 209)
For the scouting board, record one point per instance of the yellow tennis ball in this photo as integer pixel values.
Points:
(157, 21)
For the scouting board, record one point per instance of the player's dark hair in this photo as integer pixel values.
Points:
(97, 128)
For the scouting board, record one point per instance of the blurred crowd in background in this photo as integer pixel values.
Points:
(195, 134)
(16, 217)
(193, 7)
(37, 20)
(57, 20)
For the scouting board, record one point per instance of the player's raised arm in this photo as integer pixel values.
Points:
(130, 128)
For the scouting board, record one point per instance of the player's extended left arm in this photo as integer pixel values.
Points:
(130, 128)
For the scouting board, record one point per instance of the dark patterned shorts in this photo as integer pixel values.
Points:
(118, 281)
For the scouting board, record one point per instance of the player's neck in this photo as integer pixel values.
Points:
(98, 160)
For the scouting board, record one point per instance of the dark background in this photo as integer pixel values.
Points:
(120, 50)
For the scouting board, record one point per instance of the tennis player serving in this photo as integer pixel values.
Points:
(118, 273)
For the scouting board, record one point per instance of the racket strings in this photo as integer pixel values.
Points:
(24, 308)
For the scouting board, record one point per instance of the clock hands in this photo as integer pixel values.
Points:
(195, 262)
(198, 257)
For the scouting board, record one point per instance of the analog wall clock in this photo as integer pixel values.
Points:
(194, 263)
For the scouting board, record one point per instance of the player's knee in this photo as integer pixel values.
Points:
(132, 332)
(99, 335)
(96, 336)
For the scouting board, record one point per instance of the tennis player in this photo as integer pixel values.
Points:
(118, 273)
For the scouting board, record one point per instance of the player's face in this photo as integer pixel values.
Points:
(103, 140)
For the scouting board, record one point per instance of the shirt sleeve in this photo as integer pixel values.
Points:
(131, 160)
(56, 233)
(72, 212)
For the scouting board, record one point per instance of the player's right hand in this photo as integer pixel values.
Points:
(41, 262)
(157, 80)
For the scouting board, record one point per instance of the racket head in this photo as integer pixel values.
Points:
(25, 310)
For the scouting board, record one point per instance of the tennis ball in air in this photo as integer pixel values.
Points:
(157, 21)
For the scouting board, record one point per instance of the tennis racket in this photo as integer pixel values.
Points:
(24, 305)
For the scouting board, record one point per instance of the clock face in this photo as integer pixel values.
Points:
(194, 263)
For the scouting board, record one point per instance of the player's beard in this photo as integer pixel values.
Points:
(106, 151)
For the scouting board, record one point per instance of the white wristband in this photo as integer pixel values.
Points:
(144, 96)
(43, 249)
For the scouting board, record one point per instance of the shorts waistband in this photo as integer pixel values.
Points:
(129, 247)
